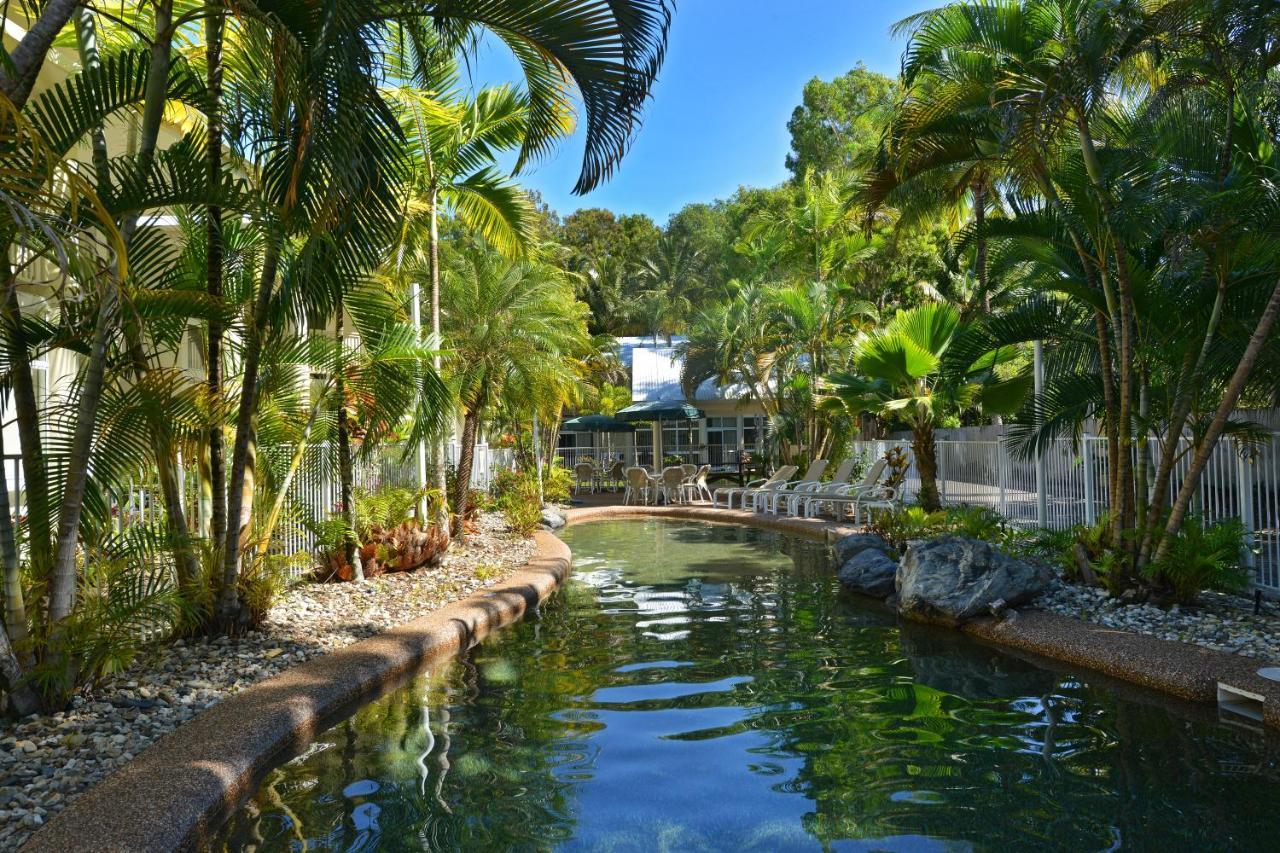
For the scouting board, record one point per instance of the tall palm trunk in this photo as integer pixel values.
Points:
(462, 488)
(228, 612)
(62, 582)
(346, 476)
(22, 67)
(213, 278)
(1191, 481)
(27, 413)
(15, 609)
(926, 452)
(433, 199)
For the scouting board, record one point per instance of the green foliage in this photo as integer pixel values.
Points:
(1203, 557)
(557, 484)
(517, 500)
(487, 572)
(901, 526)
(389, 506)
(121, 609)
(840, 123)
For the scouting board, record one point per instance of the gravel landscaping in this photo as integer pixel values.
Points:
(1221, 622)
(45, 762)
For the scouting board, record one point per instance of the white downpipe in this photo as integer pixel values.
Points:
(1042, 494)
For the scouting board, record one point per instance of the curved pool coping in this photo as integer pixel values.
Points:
(177, 792)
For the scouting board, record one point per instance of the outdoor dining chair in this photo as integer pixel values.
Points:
(640, 485)
(584, 474)
(672, 477)
(617, 476)
(695, 487)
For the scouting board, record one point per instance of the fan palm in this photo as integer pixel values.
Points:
(901, 373)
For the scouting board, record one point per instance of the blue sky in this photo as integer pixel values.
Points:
(735, 70)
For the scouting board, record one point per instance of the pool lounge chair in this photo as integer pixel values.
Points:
(780, 475)
(760, 500)
(833, 490)
(792, 496)
(859, 497)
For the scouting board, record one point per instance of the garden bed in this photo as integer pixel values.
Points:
(1225, 623)
(46, 761)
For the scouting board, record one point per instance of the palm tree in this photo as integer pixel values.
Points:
(509, 326)
(334, 166)
(452, 143)
(901, 372)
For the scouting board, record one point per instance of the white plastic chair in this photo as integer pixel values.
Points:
(763, 499)
(793, 496)
(672, 478)
(743, 492)
(695, 487)
(584, 477)
(639, 486)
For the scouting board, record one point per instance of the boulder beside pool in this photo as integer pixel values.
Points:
(551, 518)
(870, 572)
(848, 547)
(952, 580)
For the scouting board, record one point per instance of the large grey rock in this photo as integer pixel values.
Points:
(848, 547)
(869, 572)
(952, 579)
(551, 519)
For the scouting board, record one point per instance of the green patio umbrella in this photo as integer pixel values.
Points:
(662, 410)
(596, 423)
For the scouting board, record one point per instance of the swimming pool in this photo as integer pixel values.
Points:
(709, 687)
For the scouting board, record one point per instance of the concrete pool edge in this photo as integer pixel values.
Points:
(1183, 670)
(177, 792)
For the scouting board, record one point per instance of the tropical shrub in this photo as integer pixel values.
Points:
(557, 484)
(901, 526)
(1202, 557)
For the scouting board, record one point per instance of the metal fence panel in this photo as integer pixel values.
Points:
(1240, 481)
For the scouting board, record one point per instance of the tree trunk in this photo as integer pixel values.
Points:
(28, 413)
(462, 488)
(19, 73)
(15, 609)
(213, 278)
(62, 582)
(442, 483)
(350, 546)
(926, 453)
(1191, 481)
(980, 242)
(228, 596)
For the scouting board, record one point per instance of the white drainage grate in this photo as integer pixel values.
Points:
(1236, 700)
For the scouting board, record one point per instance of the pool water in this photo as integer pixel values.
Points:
(706, 687)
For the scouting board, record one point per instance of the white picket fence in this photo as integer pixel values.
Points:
(1241, 481)
(315, 493)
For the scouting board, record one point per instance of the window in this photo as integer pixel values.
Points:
(722, 432)
(679, 435)
(568, 439)
(752, 432)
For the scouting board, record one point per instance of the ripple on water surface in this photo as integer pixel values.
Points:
(702, 687)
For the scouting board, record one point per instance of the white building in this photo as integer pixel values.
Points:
(718, 426)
